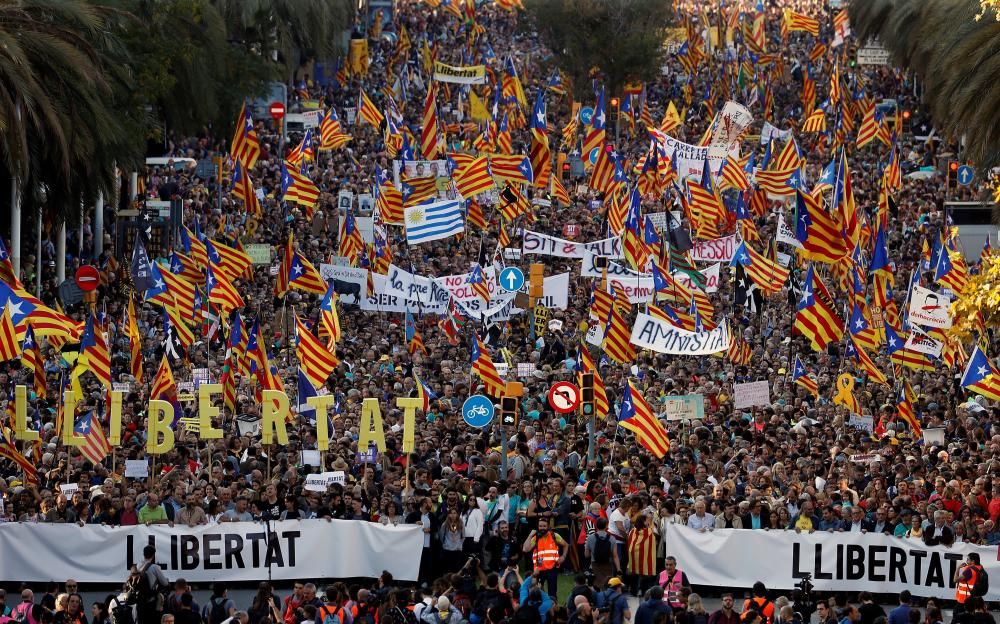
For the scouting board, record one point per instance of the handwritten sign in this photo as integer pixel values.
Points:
(136, 469)
(751, 394)
(684, 407)
(316, 483)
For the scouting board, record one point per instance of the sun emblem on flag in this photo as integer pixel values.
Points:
(416, 216)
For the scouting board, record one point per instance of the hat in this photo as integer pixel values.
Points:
(614, 581)
(911, 458)
(443, 604)
(384, 358)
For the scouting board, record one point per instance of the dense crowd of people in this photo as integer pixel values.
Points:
(496, 543)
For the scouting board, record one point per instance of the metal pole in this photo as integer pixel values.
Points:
(503, 450)
(38, 254)
(15, 225)
(15, 211)
(61, 254)
(99, 225)
(83, 214)
(591, 439)
(133, 186)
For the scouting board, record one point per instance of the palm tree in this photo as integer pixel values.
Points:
(956, 57)
(288, 30)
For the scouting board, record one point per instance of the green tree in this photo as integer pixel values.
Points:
(623, 39)
(955, 56)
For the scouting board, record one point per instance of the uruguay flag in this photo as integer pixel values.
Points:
(429, 222)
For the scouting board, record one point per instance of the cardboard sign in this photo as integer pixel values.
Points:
(929, 308)
(136, 469)
(316, 483)
(684, 407)
(310, 458)
(751, 394)
(862, 423)
(259, 253)
(68, 489)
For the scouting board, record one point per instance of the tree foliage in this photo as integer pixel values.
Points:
(956, 57)
(623, 39)
(84, 83)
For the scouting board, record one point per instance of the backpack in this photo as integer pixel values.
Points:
(218, 612)
(602, 549)
(982, 586)
(334, 616)
(145, 592)
(366, 613)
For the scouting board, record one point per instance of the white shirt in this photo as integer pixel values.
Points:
(613, 520)
(474, 523)
(704, 522)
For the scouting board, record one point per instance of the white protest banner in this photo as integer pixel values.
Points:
(349, 283)
(690, 159)
(751, 394)
(771, 133)
(383, 301)
(555, 292)
(461, 289)
(733, 121)
(236, 551)
(865, 458)
(651, 333)
(525, 369)
(555, 325)
(711, 278)
(684, 407)
(499, 309)
(929, 308)
(545, 245)
(842, 562)
(922, 343)
(412, 287)
(588, 268)
(502, 368)
(786, 234)
(861, 423)
(315, 483)
(639, 289)
(872, 53)
(136, 469)
(718, 250)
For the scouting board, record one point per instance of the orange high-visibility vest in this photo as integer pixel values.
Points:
(964, 590)
(546, 552)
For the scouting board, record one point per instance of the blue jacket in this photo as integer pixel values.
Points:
(544, 608)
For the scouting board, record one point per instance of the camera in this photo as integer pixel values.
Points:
(802, 596)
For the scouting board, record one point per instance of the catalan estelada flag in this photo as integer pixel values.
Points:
(815, 318)
(482, 365)
(636, 416)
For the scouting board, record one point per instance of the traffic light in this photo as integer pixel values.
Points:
(508, 410)
(562, 164)
(906, 120)
(953, 174)
(587, 395)
(536, 282)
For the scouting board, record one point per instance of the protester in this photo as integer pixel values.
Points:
(547, 489)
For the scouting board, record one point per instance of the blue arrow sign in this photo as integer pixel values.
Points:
(511, 279)
(477, 411)
(586, 114)
(965, 175)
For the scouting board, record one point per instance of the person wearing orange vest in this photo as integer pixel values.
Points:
(760, 603)
(548, 551)
(965, 579)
